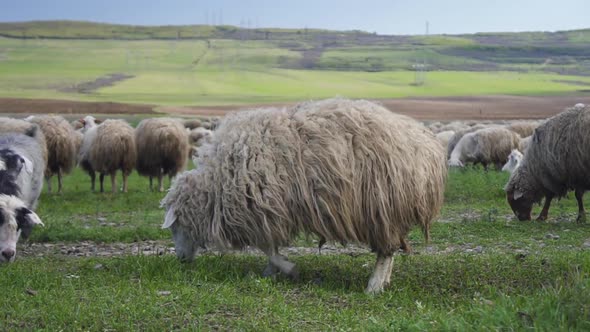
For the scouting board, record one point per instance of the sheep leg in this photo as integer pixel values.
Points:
(151, 184)
(125, 176)
(114, 182)
(405, 245)
(92, 179)
(280, 262)
(581, 213)
(59, 185)
(48, 179)
(381, 275)
(545, 211)
(160, 182)
(101, 179)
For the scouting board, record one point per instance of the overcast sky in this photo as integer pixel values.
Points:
(382, 16)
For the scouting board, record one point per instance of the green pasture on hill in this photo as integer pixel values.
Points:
(224, 71)
(482, 270)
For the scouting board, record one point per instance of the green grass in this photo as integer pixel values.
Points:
(228, 71)
(482, 270)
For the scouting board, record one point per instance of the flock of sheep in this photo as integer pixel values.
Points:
(343, 170)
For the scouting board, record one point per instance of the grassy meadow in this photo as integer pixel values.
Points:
(223, 69)
(481, 270)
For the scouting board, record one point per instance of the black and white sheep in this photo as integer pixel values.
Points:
(346, 171)
(21, 181)
(556, 161)
(162, 148)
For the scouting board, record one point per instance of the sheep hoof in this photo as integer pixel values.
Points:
(293, 274)
(541, 218)
(581, 219)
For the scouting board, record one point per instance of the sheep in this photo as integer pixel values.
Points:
(61, 147)
(524, 129)
(192, 124)
(346, 171)
(444, 137)
(22, 166)
(514, 160)
(77, 124)
(107, 148)
(198, 136)
(557, 160)
(486, 146)
(16, 220)
(459, 134)
(162, 148)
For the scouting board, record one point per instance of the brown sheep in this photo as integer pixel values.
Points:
(162, 148)
(60, 140)
(556, 161)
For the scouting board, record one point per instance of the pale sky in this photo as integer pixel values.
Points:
(382, 16)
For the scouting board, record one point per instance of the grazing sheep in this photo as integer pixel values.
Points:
(77, 124)
(514, 160)
(162, 148)
(61, 147)
(444, 137)
(459, 134)
(485, 146)
(198, 136)
(106, 148)
(557, 160)
(16, 220)
(524, 129)
(346, 171)
(192, 123)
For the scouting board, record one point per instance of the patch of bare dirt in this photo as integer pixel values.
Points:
(424, 109)
(101, 82)
(55, 106)
(438, 108)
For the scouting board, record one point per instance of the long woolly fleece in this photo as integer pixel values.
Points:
(349, 171)
(558, 157)
(162, 147)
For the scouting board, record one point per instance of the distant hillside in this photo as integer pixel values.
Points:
(563, 52)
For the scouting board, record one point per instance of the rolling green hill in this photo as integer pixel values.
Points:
(213, 65)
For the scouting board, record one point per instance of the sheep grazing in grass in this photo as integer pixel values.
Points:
(162, 148)
(557, 160)
(459, 134)
(485, 146)
(514, 160)
(61, 147)
(106, 148)
(346, 171)
(524, 129)
(191, 124)
(444, 137)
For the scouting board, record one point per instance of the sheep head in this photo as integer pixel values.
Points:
(15, 220)
(520, 203)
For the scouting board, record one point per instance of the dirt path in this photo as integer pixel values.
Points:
(427, 108)
(441, 108)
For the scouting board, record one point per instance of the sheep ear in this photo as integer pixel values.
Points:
(169, 219)
(517, 194)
